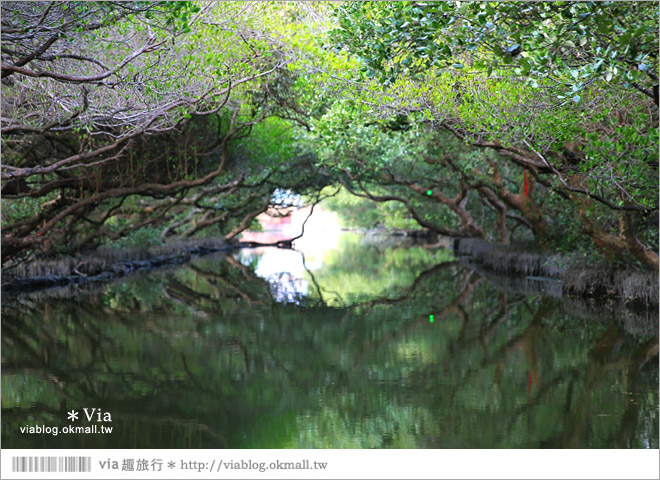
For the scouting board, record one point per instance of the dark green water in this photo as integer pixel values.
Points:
(212, 355)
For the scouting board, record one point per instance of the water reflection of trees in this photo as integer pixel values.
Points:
(203, 356)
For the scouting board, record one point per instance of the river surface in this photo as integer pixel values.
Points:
(351, 342)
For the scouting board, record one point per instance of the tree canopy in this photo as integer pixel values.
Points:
(572, 43)
(532, 121)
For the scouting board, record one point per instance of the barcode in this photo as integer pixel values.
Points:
(51, 464)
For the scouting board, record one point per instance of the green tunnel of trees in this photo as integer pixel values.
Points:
(133, 123)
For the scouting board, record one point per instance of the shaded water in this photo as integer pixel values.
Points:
(270, 349)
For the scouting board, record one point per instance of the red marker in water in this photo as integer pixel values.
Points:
(526, 188)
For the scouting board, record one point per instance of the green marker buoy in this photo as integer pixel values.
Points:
(429, 192)
(431, 318)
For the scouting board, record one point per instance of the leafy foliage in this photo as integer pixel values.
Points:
(571, 43)
(505, 121)
(564, 90)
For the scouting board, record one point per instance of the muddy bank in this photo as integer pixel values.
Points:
(638, 322)
(516, 284)
(633, 288)
(104, 265)
(632, 318)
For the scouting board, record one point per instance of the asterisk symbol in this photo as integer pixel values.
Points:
(171, 464)
(73, 415)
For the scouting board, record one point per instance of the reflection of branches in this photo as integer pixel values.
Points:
(190, 375)
(639, 358)
(249, 275)
(605, 356)
(214, 279)
(547, 387)
(453, 306)
(176, 288)
(46, 375)
(409, 291)
(524, 341)
(489, 327)
(144, 417)
(311, 275)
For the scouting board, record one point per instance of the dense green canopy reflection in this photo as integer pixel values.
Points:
(202, 356)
